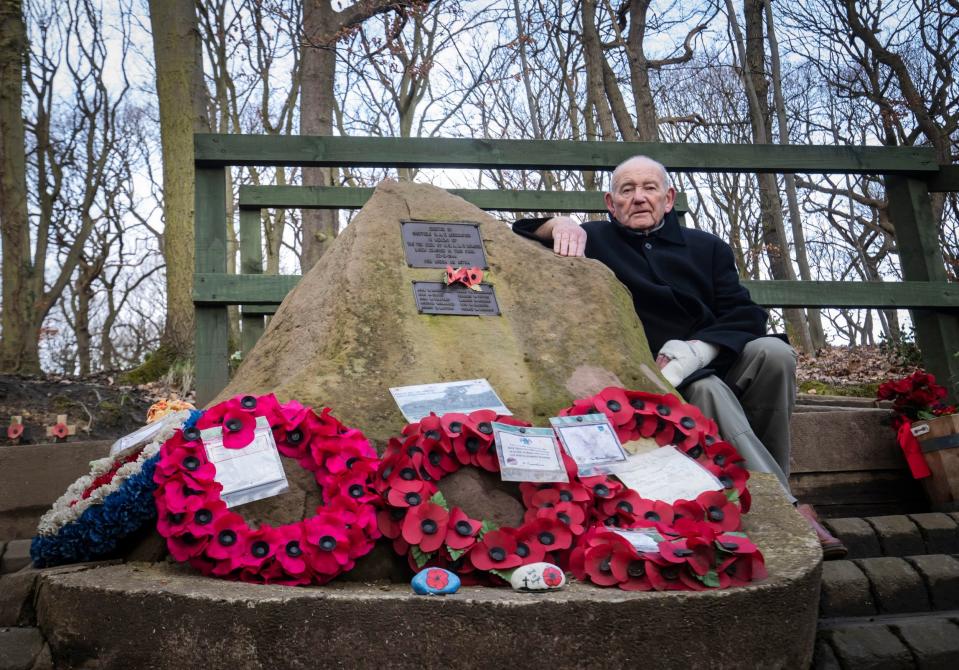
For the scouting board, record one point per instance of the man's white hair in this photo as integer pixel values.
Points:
(667, 182)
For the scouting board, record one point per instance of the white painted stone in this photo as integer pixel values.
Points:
(537, 577)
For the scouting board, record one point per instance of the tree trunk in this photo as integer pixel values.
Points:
(646, 120)
(596, 91)
(18, 348)
(316, 118)
(182, 100)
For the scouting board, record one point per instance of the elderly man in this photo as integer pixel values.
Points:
(708, 334)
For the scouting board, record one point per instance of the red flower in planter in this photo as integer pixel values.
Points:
(461, 531)
(437, 579)
(721, 514)
(496, 551)
(425, 525)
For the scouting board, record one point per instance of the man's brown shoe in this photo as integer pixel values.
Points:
(832, 546)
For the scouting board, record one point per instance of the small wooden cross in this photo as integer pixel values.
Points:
(60, 430)
(15, 429)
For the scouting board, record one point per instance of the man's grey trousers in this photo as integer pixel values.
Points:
(752, 405)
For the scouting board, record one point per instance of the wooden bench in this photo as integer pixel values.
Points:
(910, 174)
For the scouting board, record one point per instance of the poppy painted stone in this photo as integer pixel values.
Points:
(435, 582)
(537, 577)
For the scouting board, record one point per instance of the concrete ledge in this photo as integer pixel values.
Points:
(191, 621)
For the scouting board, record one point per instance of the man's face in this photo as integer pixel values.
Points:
(640, 199)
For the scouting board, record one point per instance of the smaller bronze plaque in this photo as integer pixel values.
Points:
(435, 297)
(436, 244)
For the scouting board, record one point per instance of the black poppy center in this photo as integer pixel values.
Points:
(408, 474)
(710, 439)
(327, 543)
(601, 490)
(429, 527)
(436, 458)
(637, 403)
(729, 546)
(397, 513)
(472, 444)
(234, 425)
(485, 427)
(522, 550)
(687, 422)
(546, 538)
(636, 569)
(663, 410)
(248, 402)
(356, 491)
(613, 405)
(191, 463)
(412, 499)
(387, 471)
(682, 553)
(227, 538)
(203, 516)
(192, 433)
(293, 549)
(651, 516)
(564, 517)
(464, 528)
(726, 481)
(695, 452)
(456, 427)
(565, 496)
(715, 514)
(719, 459)
(175, 518)
(260, 549)
(433, 434)
(413, 450)
(350, 461)
(294, 436)
(670, 573)
(604, 566)
(625, 506)
(497, 554)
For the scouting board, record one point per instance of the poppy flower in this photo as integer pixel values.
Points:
(452, 424)
(461, 531)
(438, 462)
(598, 562)
(437, 579)
(184, 546)
(721, 454)
(238, 428)
(201, 523)
(410, 493)
(665, 576)
(688, 509)
(570, 515)
(425, 525)
(630, 570)
(700, 555)
(390, 521)
(171, 523)
(741, 570)
(177, 495)
(602, 486)
(691, 528)
(226, 542)
(612, 402)
(353, 484)
(721, 514)
(648, 513)
(496, 551)
(329, 544)
(528, 547)
(552, 577)
(731, 475)
(739, 545)
(623, 505)
(291, 552)
(551, 534)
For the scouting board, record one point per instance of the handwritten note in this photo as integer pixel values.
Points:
(667, 474)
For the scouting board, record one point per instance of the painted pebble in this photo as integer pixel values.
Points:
(435, 582)
(537, 577)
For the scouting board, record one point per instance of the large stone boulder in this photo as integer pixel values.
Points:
(350, 329)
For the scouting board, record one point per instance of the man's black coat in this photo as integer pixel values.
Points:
(684, 285)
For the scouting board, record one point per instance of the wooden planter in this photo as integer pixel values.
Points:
(939, 440)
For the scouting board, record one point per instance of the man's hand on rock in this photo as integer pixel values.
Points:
(569, 238)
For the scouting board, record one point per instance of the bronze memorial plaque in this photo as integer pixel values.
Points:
(435, 297)
(436, 244)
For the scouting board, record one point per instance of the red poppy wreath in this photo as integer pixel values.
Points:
(199, 528)
(699, 541)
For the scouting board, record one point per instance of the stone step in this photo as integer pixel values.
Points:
(14, 555)
(898, 535)
(889, 585)
(23, 649)
(889, 643)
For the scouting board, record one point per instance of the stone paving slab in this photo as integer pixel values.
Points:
(941, 575)
(872, 647)
(898, 535)
(858, 536)
(845, 591)
(896, 585)
(824, 658)
(15, 557)
(940, 532)
(19, 648)
(933, 642)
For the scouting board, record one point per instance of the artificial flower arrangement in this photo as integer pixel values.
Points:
(572, 524)
(103, 507)
(915, 397)
(201, 530)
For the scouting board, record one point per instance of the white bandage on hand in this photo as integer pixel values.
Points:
(686, 357)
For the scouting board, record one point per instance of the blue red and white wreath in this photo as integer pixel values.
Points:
(101, 508)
